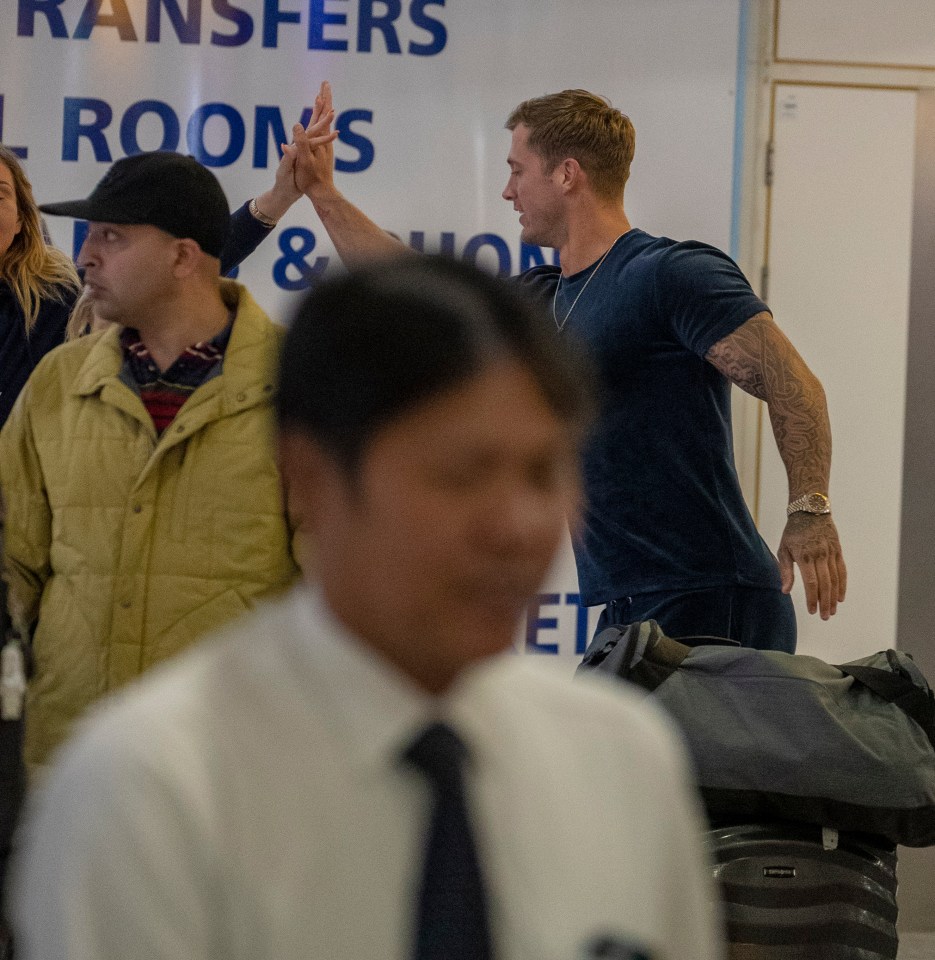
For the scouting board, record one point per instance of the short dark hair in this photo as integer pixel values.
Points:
(367, 346)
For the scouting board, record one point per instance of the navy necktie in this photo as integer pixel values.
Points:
(452, 922)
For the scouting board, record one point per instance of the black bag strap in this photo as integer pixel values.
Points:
(899, 688)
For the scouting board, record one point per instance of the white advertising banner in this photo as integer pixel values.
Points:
(422, 89)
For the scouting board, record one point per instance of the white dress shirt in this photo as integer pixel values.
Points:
(246, 802)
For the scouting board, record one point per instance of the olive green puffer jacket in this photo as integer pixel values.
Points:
(126, 547)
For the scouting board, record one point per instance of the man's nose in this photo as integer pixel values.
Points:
(85, 254)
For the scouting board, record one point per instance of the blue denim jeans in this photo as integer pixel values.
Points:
(753, 616)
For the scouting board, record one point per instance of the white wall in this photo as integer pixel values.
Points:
(901, 33)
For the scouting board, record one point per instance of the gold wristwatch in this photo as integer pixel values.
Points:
(809, 503)
(258, 214)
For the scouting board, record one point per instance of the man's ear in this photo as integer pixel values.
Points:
(188, 257)
(306, 472)
(570, 173)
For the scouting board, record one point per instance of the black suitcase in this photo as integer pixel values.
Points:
(787, 896)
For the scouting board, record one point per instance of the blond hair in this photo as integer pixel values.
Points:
(585, 127)
(32, 268)
(81, 318)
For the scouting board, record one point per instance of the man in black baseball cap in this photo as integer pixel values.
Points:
(150, 443)
(166, 190)
(158, 224)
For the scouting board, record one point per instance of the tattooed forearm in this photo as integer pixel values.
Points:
(759, 358)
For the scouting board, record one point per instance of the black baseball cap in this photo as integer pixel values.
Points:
(163, 189)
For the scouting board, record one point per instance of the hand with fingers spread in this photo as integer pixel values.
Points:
(811, 541)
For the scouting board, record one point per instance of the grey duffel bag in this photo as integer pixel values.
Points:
(779, 736)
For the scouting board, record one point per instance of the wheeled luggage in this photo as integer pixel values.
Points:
(810, 774)
(795, 892)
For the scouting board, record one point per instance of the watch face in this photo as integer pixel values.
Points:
(817, 503)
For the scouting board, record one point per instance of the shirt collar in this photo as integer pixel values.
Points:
(213, 348)
(378, 709)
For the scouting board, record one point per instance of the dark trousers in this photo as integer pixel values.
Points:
(754, 617)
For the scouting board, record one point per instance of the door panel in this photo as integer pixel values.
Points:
(838, 261)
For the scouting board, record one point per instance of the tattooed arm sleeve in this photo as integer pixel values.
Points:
(760, 359)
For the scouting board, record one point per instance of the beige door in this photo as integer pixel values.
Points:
(839, 237)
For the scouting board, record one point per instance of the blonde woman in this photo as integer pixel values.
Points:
(38, 284)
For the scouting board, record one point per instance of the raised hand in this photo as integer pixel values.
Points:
(311, 151)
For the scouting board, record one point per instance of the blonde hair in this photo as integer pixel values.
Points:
(585, 127)
(81, 319)
(32, 268)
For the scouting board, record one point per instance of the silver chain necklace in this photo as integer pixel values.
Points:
(574, 303)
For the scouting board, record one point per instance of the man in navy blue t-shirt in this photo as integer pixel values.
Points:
(666, 533)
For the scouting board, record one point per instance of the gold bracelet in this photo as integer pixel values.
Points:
(259, 215)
